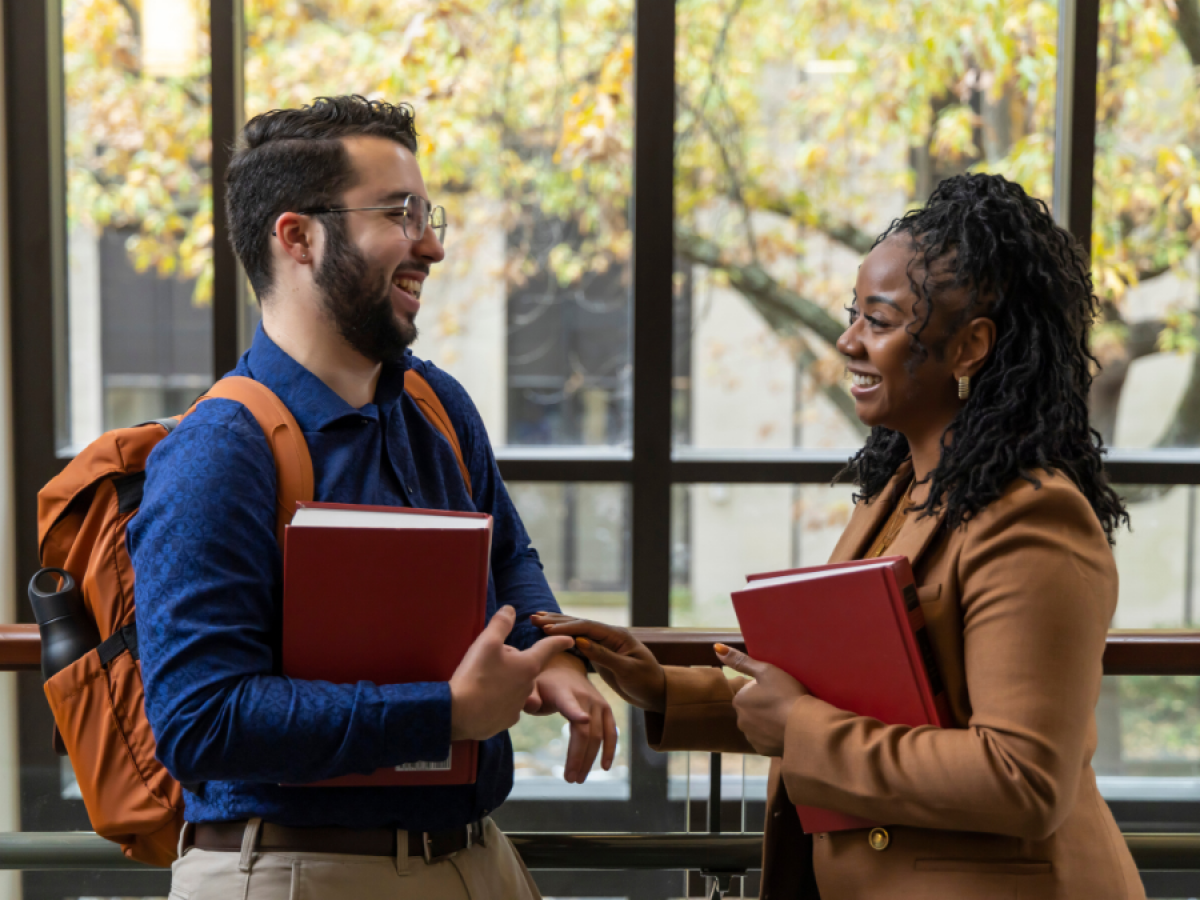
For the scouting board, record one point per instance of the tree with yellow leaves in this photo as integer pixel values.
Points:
(797, 123)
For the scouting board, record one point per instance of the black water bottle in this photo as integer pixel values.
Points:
(67, 630)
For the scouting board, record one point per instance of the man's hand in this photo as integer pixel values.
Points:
(563, 688)
(624, 662)
(763, 707)
(493, 681)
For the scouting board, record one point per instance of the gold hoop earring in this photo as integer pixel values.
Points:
(964, 387)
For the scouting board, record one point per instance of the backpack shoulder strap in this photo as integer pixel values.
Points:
(293, 464)
(431, 407)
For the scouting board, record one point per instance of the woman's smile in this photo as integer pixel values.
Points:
(863, 382)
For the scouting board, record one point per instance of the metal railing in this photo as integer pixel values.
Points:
(34, 851)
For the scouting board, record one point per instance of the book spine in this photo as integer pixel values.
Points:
(920, 652)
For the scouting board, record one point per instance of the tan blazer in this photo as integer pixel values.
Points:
(1005, 805)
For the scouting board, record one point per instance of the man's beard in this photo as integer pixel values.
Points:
(359, 300)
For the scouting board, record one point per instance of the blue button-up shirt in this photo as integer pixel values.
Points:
(208, 591)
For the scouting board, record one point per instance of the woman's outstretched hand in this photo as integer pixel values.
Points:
(623, 661)
(762, 707)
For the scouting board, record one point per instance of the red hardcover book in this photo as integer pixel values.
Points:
(854, 635)
(388, 595)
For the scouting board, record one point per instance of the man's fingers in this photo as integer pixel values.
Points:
(548, 648)
(575, 751)
(581, 753)
(571, 710)
(595, 740)
(533, 702)
(738, 661)
(502, 623)
(610, 739)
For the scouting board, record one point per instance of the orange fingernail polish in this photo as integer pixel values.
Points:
(721, 648)
(583, 643)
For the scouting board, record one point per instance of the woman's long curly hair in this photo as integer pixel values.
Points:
(986, 238)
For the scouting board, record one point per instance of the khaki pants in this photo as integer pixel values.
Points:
(492, 871)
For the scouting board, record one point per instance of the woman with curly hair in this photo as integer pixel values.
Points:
(968, 349)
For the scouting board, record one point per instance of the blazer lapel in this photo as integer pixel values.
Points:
(868, 518)
(916, 536)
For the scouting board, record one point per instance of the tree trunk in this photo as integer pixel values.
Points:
(1187, 26)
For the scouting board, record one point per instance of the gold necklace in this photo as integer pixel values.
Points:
(894, 523)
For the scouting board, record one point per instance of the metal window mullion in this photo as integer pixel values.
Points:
(36, 256)
(653, 248)
(226, 23)
(652, 208)
(1075, 117)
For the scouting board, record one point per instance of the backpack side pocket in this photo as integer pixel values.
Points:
(129, 795)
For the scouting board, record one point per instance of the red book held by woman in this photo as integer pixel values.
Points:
(854, 635)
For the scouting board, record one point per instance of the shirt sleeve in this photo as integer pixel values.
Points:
(516, 568)
(207, 591)
(1038, 585)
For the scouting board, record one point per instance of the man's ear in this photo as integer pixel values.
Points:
(975, 343)
(293, 233)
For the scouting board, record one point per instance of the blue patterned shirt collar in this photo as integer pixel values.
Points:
(314, 404)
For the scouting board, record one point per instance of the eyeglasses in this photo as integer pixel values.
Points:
(413, 215)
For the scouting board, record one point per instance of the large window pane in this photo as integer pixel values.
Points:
(139, 212)
(1149, 740)
(1157, 557)
(1146, 204)
(581, 533)
(803, 129)
(526, 133)
(724, 532)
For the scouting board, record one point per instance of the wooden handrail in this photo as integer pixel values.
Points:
(1127, 652)
(20, 648)
(1166, 652)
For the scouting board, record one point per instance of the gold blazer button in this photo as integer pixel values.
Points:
(879, 838)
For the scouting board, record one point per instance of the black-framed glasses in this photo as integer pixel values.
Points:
(414, 215)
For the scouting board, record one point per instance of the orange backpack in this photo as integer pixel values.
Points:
(98, 701)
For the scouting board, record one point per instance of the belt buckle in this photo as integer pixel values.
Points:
(426, 848)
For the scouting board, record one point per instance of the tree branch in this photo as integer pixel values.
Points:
(735, 191)
(1143, 338)
(713, 66)
(838, 230)
(135, 21)
(1187, 26)
(841, 399)
(1184, 430)
(782, 308)
(844, 233)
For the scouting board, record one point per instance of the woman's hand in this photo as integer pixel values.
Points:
(762, 707)
(623, 661)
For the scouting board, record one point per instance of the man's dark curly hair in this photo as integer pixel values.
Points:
(293, 159)
(985, 237)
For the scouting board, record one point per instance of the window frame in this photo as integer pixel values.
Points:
(651, 467)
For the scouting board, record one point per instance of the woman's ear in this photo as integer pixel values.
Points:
(975, 343)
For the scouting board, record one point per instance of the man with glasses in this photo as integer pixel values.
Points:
(330, 217)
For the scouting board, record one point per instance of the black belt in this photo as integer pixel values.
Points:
(430, 845)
